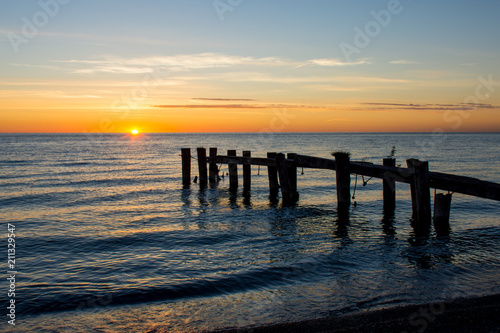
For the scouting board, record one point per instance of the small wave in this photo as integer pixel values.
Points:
(254, 279)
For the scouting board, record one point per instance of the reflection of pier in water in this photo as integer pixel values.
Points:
(282, 175)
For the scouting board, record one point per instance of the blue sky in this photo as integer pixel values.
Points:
(430, 52)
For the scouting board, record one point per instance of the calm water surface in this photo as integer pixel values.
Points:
(108, 239)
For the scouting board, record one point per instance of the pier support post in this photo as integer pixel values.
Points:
(389, 189)
(247, 173)
(292, 176)
(233, 172)
(442, 205)
(272, 173)
(186, 166)
(202, 166)
(421, 197)
(343, 180)
(212, 168)
(286, 192)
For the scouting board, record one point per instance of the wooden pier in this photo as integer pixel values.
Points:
(282, 174)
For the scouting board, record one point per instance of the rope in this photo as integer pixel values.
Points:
(302, 171)
(365, 182)
(258, 171)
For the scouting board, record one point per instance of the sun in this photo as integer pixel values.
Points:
(135, 131)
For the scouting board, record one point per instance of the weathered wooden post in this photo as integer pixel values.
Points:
(292, 176)
(343, 180)
(286, 193)
(389, 189)
(442, 205)
(272, 173)
(421, 197)
(186, 166)
(233, 172)
(247, 173)
(212, 168)
(202, 166)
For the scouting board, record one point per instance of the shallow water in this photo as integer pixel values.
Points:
(107, 237)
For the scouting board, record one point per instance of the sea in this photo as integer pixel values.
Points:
(107, 239)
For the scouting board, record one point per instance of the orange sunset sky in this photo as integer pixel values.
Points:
(245, 66)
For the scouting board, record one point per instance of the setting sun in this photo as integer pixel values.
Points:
(135, 131)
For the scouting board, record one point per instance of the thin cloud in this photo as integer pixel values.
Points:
(334, 62)
(211, 106)
(225, 99)
(404, 62)
(430, 107)
(236, 106)
(172, 63)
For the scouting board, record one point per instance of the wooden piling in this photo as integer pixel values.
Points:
(233, 172)
(247, 173)
(212, 168)
(272, 173)
(421, 197)
(286, 193)
(202, 166)
(292, 176)
(442, 205)
(343, 180)
(389, 189)
(186, 166)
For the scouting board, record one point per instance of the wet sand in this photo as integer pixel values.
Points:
(480, 314)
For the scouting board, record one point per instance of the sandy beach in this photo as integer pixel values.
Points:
(480, 314)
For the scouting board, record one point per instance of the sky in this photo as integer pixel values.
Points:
(79, 66)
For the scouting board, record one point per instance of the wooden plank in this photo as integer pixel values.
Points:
(343, 180)
(202, 166)
(421, 197)
(292, 175)
(186, 166)
(233, 172)
(403, 175)
(465, 185)
(212, 169)
(243, 160)
(442, 181)
(286, 193)
(314, 162)
(442, 206)
(389, 189)
(272, 173)
(247, 174)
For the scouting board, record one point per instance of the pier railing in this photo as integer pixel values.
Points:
(282, 174)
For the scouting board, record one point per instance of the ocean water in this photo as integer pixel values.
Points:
(108, 240)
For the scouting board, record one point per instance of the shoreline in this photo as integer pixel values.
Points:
(475, 314)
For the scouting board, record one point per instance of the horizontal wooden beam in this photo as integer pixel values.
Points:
(403, 175)
(438, 180)
(465, 185)
(314, 162)
(243, 160)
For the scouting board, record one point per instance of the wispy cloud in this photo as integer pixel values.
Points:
(112, 64)
(184, 62)
(430, 107)
(404, 62)
(240, 106)
(211, 106)
(334, 62)
(224, 99)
